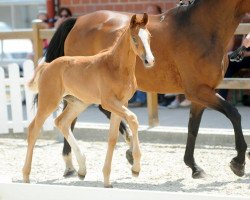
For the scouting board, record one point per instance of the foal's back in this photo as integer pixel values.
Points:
(79, 76)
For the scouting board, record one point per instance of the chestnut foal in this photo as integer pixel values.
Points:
(107, 78)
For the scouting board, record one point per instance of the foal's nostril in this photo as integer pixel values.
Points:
(146, 61)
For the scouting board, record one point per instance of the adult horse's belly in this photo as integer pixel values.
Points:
(95, 32)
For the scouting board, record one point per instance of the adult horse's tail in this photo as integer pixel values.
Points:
(56, 45)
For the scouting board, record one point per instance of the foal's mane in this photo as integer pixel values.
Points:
(118, 40)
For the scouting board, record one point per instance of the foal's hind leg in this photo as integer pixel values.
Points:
(112, 139)
(208, 98)
(66, 153)
(45, 108)
(63, 122)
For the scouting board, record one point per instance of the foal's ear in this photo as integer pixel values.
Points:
(144, 19)
(133, 21)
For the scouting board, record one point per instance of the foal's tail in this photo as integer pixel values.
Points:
(33, 83)
(56, 45)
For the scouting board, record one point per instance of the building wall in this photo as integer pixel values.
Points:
(80, 7)
(20, 16)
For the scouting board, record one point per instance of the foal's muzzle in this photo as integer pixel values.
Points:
(149, 62)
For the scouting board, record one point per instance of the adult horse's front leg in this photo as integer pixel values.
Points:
(207, 97)
(195, 115)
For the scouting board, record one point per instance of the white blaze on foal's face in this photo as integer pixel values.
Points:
(148, 57)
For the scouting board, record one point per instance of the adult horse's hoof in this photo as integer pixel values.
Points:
(199, 174)
(237, 168)
(69, 172)
(134, 173)
(129, 157)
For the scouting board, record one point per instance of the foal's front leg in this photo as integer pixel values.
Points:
(112, 139)
(122, 111)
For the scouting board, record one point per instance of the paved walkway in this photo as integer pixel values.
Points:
(174, 117)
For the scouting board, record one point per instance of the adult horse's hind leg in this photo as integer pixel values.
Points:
(208, 98)
(112, 139)
(195, 115)
(63, 122)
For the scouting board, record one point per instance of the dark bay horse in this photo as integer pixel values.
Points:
(190, 46)
(108, 79)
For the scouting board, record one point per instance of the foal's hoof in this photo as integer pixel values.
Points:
(81, 177)
(198, 174)
(69, 172)
(26, 180)
(237, 168)
(134, 173)
(108, 186)
(129, 157)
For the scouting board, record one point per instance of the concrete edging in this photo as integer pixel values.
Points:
(160, 134)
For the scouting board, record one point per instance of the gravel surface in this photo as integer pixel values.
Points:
(163, 168)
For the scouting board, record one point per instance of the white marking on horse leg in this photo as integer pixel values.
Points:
(136, 152)
(81, 159)
(144, 35)
(69, 165)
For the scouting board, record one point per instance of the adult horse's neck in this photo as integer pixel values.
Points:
(219, 18)
(122, 53)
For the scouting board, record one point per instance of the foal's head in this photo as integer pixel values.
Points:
(140, 40)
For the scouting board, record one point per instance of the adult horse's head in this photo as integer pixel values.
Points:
(140, 40)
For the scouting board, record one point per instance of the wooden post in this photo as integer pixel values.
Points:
(37, 42)
(152, 102)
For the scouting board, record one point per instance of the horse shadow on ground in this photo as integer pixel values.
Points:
(169, 186)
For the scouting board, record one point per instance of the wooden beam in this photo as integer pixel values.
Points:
(243, 28)
(152, 104)
(37, 42)
(46, 33)
(16, 34)
(235, 83)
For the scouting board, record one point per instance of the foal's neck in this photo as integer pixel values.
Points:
(122, 53)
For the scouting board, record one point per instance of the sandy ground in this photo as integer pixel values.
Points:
(163, 168)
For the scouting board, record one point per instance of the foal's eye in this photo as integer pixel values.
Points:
(135, 41)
